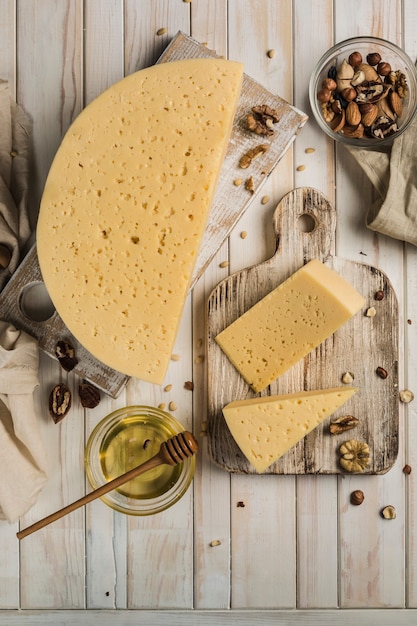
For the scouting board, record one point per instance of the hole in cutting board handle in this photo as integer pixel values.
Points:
(306, 223)
(35, 303)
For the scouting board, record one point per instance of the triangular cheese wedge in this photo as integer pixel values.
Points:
(266, 428)
(125, 207)
(288, 323)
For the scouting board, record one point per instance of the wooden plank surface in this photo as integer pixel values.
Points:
(336, 556)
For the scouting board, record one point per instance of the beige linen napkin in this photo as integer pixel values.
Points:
(15, 130)
(22, 455)
(393, 172)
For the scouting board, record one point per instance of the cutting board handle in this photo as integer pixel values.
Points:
(310, 219)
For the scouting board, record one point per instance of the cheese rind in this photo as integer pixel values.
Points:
(288, 323)
(266, 428)
(125, 206)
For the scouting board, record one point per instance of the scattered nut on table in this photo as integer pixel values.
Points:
(354, 455)
(381, 372)
(342, 424)
(89, 395)
(65, 354)
(261, 120)
(60, 400)
(252, 154)
(389, 512)
(347, 378)
(357, 497)
(406, 396)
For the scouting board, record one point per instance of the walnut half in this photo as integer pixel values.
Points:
(341, 424)
(354, 455)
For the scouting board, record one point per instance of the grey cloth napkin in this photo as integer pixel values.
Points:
(22, 454)
(15, 131)
(393, 173)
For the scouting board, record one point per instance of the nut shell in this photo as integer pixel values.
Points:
(338, 122)
(370, 72)
(89, 395)
(60, 401)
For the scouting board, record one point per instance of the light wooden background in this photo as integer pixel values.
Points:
(297, 544)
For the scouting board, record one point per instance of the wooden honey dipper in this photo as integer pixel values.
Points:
(171, 452)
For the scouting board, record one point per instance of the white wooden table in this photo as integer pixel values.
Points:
(298, 552)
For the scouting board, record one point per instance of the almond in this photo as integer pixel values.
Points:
(396, 103)
(369, 114)
(353, 115)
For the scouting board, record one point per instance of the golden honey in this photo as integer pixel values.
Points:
(131, 442)
(125, 439)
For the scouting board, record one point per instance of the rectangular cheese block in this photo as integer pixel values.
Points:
(288, 323)
(125, 207)
(266, 428)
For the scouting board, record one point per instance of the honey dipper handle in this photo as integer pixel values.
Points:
(93, 495)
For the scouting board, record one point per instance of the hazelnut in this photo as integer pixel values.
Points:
(382, 373)
(407, 469)
(389, 512)
(379, 295)
(355, 59)
(357, 497)
(373, 58)
(324, 95)
(406, 396)
(329, 83)
(349, 94)
(383, 68)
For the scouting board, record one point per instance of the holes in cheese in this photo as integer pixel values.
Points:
(266, 428)
(288, 323)
(125, 206)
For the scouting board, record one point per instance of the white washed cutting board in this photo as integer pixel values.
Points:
(229, 203)
(360, 346)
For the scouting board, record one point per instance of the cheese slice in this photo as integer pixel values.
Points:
(125, 206)
(288, 323)
(266, 428)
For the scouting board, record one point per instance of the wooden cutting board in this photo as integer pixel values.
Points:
(229, 203)
(360, 346)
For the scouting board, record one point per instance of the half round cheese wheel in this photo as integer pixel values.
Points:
(125, 206)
